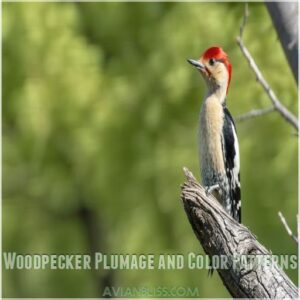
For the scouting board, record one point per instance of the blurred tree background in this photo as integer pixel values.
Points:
(100, 114)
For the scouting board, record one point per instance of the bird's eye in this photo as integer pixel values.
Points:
(212, 61)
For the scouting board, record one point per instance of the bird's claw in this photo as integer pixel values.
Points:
(207, 191)
(210, 189)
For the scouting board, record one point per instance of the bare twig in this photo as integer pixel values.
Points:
(246, 15)
(287, 228)
(254, 113)
(278, 106)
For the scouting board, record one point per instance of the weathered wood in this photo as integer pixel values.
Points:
(219, 234)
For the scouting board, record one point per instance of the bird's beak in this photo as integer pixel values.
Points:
(196, 64)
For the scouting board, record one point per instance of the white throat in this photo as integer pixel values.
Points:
(217, 85)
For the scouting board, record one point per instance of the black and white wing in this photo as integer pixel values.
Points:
(232, 166)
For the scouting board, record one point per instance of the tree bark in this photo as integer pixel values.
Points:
(285, 19)
(219, 234)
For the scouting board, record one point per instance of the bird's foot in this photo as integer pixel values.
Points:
(211, 188)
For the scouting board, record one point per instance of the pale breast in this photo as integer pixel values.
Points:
(210, 144)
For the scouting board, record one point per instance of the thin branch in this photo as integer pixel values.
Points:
(278, 106)
(254, 113)
(221, 236)
(245, 19)
(287, 228)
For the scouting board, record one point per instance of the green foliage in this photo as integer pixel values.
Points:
(100, 114)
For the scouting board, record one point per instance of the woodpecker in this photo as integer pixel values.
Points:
(218, 143)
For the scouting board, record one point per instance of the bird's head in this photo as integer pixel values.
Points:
(215, 68)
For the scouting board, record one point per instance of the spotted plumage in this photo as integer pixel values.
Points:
(231, 155)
